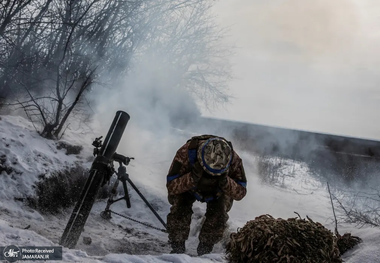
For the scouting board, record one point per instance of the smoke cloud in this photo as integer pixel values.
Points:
(156, 104)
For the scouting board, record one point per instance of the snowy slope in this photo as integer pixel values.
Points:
(123, 240)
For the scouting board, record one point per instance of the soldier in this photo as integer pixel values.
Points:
(207, 169)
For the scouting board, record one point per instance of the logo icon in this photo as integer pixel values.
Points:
(12, 253)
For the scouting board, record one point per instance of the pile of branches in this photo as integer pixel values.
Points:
(346, 242)
(266, 239)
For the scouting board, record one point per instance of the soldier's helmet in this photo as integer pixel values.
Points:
(215, 156)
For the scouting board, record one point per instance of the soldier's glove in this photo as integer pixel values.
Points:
(222, 180)
(197, 172)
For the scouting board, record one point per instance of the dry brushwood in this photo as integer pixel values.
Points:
(346, 242)
(295, 240)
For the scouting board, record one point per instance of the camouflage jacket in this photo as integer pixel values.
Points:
(180, 180)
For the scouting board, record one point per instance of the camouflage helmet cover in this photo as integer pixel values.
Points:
(215, 156)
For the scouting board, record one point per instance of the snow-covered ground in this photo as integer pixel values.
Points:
(123, 240)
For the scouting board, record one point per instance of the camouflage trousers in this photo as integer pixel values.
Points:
(179, 218)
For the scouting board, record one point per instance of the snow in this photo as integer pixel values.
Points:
(122, 240)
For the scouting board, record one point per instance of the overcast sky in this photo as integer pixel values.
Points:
(304, 64)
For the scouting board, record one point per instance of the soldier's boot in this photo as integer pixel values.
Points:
(204, 248)
(178, 247)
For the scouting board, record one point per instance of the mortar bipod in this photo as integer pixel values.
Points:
(123, 176)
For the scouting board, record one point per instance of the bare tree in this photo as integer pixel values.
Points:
(16, 22)
(74, 48)
(188, 41)
(359, 207)
(56, 51)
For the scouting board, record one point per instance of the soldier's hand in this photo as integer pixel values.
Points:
(222, 180)
(197, 172)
